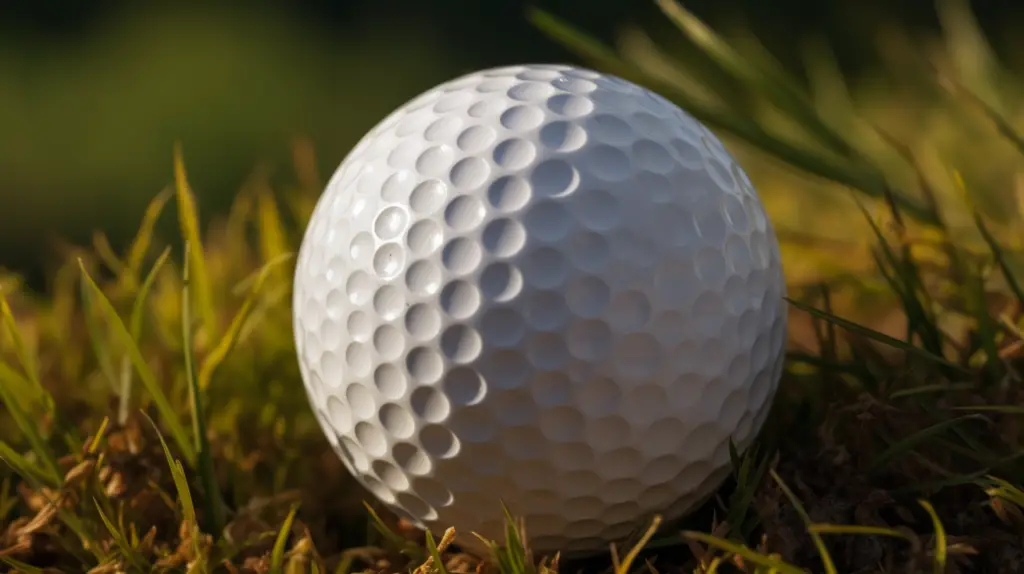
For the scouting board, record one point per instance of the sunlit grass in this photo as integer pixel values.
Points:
(154, 418)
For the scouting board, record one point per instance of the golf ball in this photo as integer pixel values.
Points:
(546, 286)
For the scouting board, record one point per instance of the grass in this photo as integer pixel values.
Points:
(152, 421)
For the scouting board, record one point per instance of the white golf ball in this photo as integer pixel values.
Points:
(542, 285)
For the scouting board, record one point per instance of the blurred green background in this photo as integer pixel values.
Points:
(94, 94)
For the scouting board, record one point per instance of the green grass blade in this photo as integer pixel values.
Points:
(144, 237)
(273, 238)
(139, 306)
(625, 567)
(20, 567)
(122, 543)
(915, 439)
(188, 509)
(826, 558)
(231, 336)
(214, 507)
(515, 546)
(761, 76)
(28, 427)
(188, 218)
(941, 546)
(749, 469)
(999, 257)
(146, 375)
(437, 563)
(281, 543)
(857, 530)
(28, 364)
(864, 178)
(135, 327)
(26, 468)
(97, 338)
(1002, 125)
(876, 336)
(773, 564)
(906, 284)
(391, 539)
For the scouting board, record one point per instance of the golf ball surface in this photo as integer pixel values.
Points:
(544, 285)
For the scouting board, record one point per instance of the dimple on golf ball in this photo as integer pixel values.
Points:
(545, 286)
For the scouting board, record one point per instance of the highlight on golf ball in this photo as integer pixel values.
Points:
(546, 286)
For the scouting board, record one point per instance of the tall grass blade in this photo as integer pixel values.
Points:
(20, 567)
(26, 468)
(771, 563)
(437, 563)
(277, 554)
(910, 442)
(121, 541)
(97, 338)
(135, 327)
(188, 218)
(762, 78)
(156, 394)
(999, 258)
(876, 336)
(28, 363)
(626, 565)
(941, 546)
(863, 178)
(821, 528)
(30, 429)
(144, 236)
(826, 559)
(188, 509)
(231, 336)
(214, 507)
(273, 237)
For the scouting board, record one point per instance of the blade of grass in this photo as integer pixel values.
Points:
(207, 474)
(122, 543)
(105, 253)
(28, 427)
(21, 567)
(181, 485)
(915, 439)
(940, 537)
(393, 540)
(26, 468)
(437, 564)
(859, 530)
(189, 220)
(144, 237)
(749, 469)
(999, 257)
(763, 78)
(97, 338)
(878, 337)
(773, 564)
(281, 543)
(230, 338)
(146, 375)
(861, 177)
(135, 327)
(908, 288)
(630, 557)
(826, 558)
(28, 364)
(273, 238)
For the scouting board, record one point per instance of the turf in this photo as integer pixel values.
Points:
(153, 418)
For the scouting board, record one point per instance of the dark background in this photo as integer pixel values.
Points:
(94, 94)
